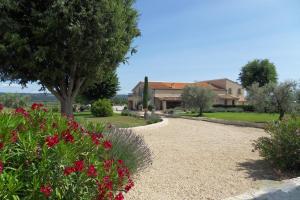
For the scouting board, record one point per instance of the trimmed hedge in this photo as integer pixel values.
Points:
(102, 108)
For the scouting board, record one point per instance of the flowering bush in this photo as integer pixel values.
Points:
(47, 156)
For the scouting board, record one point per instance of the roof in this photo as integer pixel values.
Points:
(177, 85)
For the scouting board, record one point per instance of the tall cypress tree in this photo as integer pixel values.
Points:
(145, 94)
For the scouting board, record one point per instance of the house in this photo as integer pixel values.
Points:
(166, 95)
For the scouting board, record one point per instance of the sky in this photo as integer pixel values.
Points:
(193, 40)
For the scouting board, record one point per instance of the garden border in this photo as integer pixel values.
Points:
(221, 121)
(287, 190)
(164, 121)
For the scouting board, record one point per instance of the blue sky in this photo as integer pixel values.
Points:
(190, 40)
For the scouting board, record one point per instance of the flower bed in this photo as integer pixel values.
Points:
(47, 156)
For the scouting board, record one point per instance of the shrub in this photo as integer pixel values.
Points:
(102, 108)
(153, 118)
(282, 148)
(125, 113)
(47, 156)
(130, 148)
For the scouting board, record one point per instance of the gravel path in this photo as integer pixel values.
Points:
(200, 160)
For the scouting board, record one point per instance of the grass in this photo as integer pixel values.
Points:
(117, 120)
(239, 116)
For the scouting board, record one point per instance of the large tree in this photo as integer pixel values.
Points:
(63, 44)
(105, 86)
(198, 98)
(273, 97)
(258, 71)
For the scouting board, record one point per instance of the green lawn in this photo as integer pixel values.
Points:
(239, 116)
(116, 120)
(248, 117)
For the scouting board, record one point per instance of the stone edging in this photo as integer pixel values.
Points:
(288, 190)
(226, 122)
(164, 122)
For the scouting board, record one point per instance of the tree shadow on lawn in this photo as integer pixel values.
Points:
(262, 170)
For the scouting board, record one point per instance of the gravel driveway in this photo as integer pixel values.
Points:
(200, 160)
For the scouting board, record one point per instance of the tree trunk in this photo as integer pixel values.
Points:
(66, 107)
(200, 112)
(281, 115)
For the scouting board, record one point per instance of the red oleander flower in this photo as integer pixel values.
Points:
(47, 190)
(119, 196)
(45, 109)
(121, 162)
(22, 111)
(36, 106)
(14, 136)
(69, 170)
(67, 136)
(121, 173)
(52, 140)
(96, 138)
(1, 107)
(73, 124)
(1, 145)
(79, 165)
(1, 167)
(107, 164)
(108, 183)
(107, 145)
(129, 185)
(92, 171)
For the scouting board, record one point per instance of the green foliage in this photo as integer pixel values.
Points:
(258, 71)
(145, 93)
(120, 100)
(153, 118)
(102, 108)
(273, 98)
(14, 100)
(47, 156)
(105, 86)
(63, 45)
(281, 149)
(199, 98)
(130, 148)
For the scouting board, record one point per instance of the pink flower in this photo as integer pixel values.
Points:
(79, 165)
(47, 190)
(92, 172)
(129, 185)
(52, 140)
(121, 162)
(107, 145)
(1, 167)
(69, 170)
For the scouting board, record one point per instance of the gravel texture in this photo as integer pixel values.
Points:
(200, 160)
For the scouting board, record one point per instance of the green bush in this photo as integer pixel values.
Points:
(125, 113)
(102, 108)
(282, 148)
(153, 118)
(47, 156)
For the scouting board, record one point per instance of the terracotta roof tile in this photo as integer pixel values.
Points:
(178, 86)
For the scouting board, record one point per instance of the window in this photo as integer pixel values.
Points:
(239, 91)
(229, 91)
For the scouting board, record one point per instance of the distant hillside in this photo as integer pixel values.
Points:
(37, 97)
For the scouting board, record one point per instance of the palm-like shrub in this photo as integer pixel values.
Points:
(45, 155)
(282, 148)
(102, 108)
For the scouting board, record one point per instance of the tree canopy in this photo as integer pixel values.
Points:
(273, 97)
(258, 71)
(196, 97)
(63, 44)
(105, 86)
